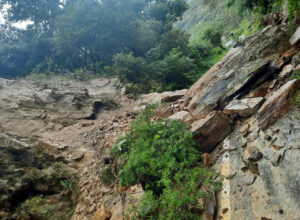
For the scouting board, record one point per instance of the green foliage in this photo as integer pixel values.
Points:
(69, 182)
(163, 156)
(37, 207)
(247, 27)
(297, 76)
(213, 35)
(107, 176)
(64, 183)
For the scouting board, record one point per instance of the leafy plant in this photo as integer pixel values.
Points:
(107, 176)
(163, 157)
(37, 207)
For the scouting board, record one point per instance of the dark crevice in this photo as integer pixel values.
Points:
(96, 109)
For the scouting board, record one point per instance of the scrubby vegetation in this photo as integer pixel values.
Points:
(214, 21)
(163, 157)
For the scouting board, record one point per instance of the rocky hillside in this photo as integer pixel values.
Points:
(242, 113)
(53, 137)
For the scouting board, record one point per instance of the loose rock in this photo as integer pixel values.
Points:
(211, 130)
(244, 107)
(275, 160)
(184, 116)
(102, 214)
(278, 104)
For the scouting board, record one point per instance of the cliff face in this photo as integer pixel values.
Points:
(245, 119)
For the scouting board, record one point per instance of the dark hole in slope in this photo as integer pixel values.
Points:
(96, 108)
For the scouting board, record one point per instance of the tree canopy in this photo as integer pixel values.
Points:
(133, 39)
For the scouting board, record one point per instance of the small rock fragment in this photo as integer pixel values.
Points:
(275, 130)
(276, 147)
(264, 218)
(268, 137)
(62, 147)
(224, 210)
(285, 72)
(296, 37)
(245, 129)
(77, 156)
(207, 160)
(210, 205)
(253, 167)
(254, 154)
(244, 167)
(102, 214)
(184, 116)
(244, 143)
(275, 160)
(249, 180)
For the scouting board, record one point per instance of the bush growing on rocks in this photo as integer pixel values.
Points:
(162, 156)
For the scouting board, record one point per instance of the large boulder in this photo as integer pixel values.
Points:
(278, 104)
(211, 130)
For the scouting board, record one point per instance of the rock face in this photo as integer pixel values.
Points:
(278, 104)
(211, 130)
(245, 115)
(53, 105)
(72, 123)
(26, 174)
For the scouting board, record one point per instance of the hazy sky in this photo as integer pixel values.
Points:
(21, 25)
(1, 18)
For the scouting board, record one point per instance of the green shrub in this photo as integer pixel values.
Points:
(37, 207)
(163, 157)
(106, 175)
(297, 99)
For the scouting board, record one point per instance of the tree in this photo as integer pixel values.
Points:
(213, 35)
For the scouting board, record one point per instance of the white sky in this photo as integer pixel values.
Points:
(20, 25)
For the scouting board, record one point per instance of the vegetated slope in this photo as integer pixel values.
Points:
(202, 15)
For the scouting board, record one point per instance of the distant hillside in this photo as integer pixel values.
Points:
(203, 14)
